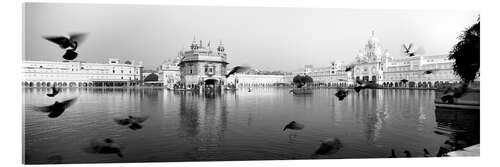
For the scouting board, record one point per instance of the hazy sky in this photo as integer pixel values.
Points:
(266, 38)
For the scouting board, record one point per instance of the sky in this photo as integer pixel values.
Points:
(267, 38)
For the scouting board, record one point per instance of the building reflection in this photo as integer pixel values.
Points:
(188, 113)
(374, 115)
(373, 109)
(203, 119)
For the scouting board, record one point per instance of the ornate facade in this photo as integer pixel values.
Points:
(374, 63)
(169, 73)
(201, 66)
(80, 74)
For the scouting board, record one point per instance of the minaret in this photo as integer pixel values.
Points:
(193, 44)
(220, 48)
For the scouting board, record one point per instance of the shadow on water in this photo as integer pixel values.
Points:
(461, 127)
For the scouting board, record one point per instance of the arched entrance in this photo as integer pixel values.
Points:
(211, 82)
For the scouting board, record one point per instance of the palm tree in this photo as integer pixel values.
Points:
(466, 54)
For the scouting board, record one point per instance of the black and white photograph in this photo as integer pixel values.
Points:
(134, 83)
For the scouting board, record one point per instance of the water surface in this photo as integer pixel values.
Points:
(238, 125)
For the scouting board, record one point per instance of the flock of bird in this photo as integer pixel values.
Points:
(332, 145)
(105, 146)
(109, 146)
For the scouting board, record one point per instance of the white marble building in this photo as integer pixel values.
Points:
(169, 73)
(80, 74)
(256, 80)
(200, 65)
(374, 63)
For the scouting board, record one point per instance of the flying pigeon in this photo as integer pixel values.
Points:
(56, 109)
(341, 94)
(133, 122)
(238, 69)
(294, 126)
(69, 44)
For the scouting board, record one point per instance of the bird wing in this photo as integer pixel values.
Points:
(68, 103)
(230, 72)
(122, 121)
(238, 69)
(405, 49)
(286, 127)
(44, 109)
(59, 40)
(242, 68)
(410, 46)
(78, 37)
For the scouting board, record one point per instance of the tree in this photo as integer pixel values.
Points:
(151, 77)
(302, 80)
(466, 54)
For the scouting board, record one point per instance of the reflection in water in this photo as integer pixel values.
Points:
(242, 125)
(461, 127)
(204, 120)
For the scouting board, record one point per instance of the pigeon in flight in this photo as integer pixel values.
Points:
(329, 146)
(55, 91)
(69, 44)
(107, 146)
(133, 122)
(238, 69)
(341, 94)
(294, 126)
(56, 109)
